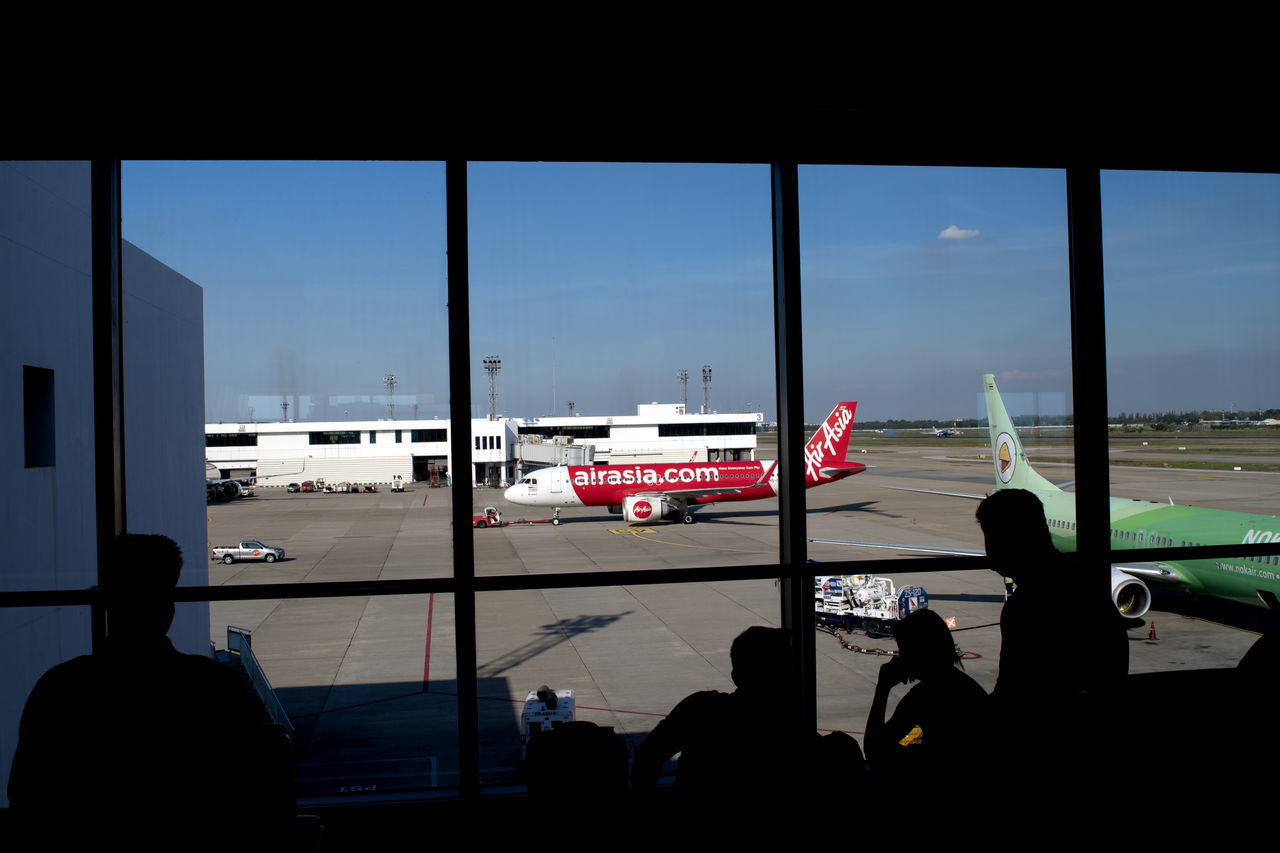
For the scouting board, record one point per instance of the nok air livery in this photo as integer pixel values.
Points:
(1135, 524)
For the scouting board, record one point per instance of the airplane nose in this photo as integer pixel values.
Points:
(508, 494)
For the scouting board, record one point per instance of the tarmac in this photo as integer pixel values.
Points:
(370, 682)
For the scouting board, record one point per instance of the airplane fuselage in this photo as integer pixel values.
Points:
(1147, 524)
(647, 492)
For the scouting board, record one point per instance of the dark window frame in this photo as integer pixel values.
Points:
(333, 436)
(1090, 399)
(230, 439)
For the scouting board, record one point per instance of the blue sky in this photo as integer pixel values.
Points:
(597, 283)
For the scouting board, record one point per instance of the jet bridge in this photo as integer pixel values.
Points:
(535, 451)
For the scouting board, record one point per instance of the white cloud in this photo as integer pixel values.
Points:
(951, 232)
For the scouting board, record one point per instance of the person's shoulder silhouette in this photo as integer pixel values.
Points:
(1060, 632)
(139, 730)
(731, 744)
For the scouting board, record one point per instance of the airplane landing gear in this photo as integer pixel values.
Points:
(555, 516)
(687, 518)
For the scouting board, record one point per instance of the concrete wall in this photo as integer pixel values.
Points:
(164, 422)
(47, 513)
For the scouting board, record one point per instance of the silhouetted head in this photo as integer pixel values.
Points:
(924, 643)
(1016, 533)
(138, 576)
(759, 657)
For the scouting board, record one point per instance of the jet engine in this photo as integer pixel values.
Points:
(644, 509)
(1131, 596)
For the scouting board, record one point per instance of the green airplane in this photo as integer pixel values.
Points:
(1251, 580)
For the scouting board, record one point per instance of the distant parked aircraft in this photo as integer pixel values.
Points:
(1134, 524)
(648, 492)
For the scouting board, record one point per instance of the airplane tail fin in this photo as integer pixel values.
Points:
(824, 455)
(1013, 471)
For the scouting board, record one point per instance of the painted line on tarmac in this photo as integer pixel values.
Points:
(426, 663)
(645, 536)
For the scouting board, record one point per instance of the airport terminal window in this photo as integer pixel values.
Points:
(614, 270)
(681, 430)
(574, 431)
(334, 437)
(231, 439)
(429, 435)
(1192, 272)
(835, 290)
(934, 251)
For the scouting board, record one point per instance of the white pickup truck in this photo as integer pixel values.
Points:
(249, 549)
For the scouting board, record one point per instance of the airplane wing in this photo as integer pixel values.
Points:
(936, 492)
(1154, 572)
(686, 494)
(926, 549)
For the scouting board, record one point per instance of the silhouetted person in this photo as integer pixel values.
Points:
(139, 740)
(940, 727)
(1060, 632)
(744, 747)
(1064, 653)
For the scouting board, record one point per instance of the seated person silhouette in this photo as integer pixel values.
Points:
(137, 738)
(744, 746)
(940, 727)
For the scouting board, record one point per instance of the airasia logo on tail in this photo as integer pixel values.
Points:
(642, 509)
(823, 444)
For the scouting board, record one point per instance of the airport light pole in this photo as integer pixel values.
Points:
(706, 389)
(390, 381)
(683, 376)
(492, 364)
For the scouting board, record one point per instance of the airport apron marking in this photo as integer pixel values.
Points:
(647, 536)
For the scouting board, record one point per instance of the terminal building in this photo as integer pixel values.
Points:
(502, 449)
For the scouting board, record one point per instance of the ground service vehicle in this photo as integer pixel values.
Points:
(864, 602)
(490, 518)
(249, 549)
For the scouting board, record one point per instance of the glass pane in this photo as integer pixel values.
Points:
(594, 289)
(367, 683)
(628, 654)
(1193, 277)
(918, 284)
(325, 362)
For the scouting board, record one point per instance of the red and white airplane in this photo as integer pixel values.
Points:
(645, 493)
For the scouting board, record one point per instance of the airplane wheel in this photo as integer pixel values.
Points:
(687, 518)
(555, 521)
